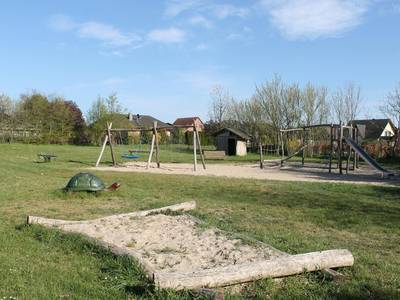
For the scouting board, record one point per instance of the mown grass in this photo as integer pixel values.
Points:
(38, 263)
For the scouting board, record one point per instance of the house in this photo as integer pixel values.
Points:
(145, 121)
(232, 141)
(190, 121)
(374, 129)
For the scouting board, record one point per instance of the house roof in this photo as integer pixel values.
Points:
(145, 121)
(236, 132)
(186, 121)
(373, 127)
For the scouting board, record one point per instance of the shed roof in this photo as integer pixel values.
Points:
(373, 127)
(186, 121)
(236, 132)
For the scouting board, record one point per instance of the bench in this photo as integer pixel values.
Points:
(46, 157)
(214, 154)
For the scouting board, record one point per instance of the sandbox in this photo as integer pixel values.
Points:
(177, 251)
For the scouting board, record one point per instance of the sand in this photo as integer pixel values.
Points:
(272, 171)
(171, 243)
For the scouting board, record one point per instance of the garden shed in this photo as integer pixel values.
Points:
(232, 141)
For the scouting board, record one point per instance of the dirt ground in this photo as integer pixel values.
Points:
(171, 243)
(271, 171)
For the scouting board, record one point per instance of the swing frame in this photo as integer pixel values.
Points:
(154, 144)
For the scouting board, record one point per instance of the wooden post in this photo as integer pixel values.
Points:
(111, 145)
(200, 149)
(340, 148)
(283, 148)
(261, 156)
(103, 147)
(331, 151)
(356, 154)
(194, 150)
(156, 141)
(151, 151)
(280, 266)
(303, 144)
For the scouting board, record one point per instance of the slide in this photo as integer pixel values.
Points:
(368, 159)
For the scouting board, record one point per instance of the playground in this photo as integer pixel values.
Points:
(294, 218)
(342, 162)
(289, 172)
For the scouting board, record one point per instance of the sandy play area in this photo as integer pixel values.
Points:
(177, 251)
(271, 171)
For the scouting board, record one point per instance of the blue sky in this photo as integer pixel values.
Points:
(163, 57)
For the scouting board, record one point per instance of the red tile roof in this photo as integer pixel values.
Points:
(186, 121)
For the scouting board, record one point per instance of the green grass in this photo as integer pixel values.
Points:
(38, 263)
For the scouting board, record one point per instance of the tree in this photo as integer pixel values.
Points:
(6, 105)
(221, 101)
(113, 106)
(32, 110)
(80, 128)
(98, 110)
(314, 104)
(58, 128)
(391, 108)
(346, 103)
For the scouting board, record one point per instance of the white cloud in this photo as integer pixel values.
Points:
(176, 7)
(168, 35)
(223, 11)
(201, 21)
(108, 34)
(313, 19)
(62, 23)
(114, 81)
(243, 34)
(201, 47)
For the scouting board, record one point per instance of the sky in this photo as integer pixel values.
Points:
(163, 57)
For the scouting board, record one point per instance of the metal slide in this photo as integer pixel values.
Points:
(368, 159)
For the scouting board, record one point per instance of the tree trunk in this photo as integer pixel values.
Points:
(278, 267)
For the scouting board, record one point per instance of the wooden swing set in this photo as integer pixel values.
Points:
(336, 135)
(154, 143)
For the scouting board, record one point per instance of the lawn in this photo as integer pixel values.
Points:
(38, 263)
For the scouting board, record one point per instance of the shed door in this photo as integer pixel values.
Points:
(231, 147)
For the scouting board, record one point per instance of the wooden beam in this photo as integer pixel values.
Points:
(200, 149)
(110, 143)
(331, 150)
(151, 151)
(261, 155)
(340, 150)
(156, 141)
(184, 206)
(194, 152)
(278, 267)
(103, 147)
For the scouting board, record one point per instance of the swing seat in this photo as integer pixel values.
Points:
(130, 156)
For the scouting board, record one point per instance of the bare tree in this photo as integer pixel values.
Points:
(314, 104)
(113, 105)
(346, 103)
(391, 108)
(221, 100)
(6, 105)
